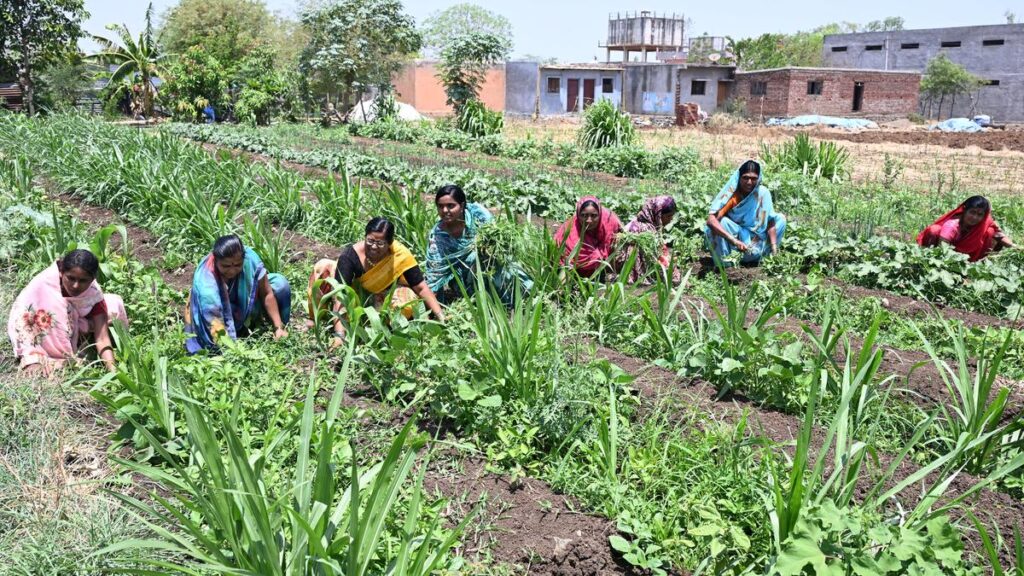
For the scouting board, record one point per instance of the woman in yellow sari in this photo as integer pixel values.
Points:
(374, 265)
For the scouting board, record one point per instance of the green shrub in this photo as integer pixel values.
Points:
(623, 161)
(604, 126)
(476, 120)
(827, 160)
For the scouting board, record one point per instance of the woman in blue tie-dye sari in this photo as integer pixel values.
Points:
(230, 289)
(742, 218)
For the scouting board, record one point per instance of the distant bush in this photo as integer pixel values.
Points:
(826, 160)
(476, 120)
(605, 126)
(623, 161)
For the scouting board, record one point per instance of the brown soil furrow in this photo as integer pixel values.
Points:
(521, 530)
(656, 384)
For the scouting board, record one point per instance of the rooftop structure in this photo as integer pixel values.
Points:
(644, 32)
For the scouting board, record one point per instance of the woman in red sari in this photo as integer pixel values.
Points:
(969, 228)
(589, 235)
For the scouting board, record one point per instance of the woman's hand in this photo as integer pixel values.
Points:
(280, 333)
(741, 246)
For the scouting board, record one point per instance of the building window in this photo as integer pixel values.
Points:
(758, 88)
(839, 48)
(554, 85)
(992, 83)
(951, 44)
(697, 87)
(873, 47)
(910, 46)
(814, 87)
(607, 85)
(996, 42)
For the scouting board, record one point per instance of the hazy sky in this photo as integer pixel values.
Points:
(571, 30)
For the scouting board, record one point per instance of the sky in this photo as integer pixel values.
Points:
(570, 30)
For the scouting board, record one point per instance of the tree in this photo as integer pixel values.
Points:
(141, 57)
(943, 78)
(464, 64)
(226, 29)
(62, 82)
(263, 88)
(890, 23)
(1011, 18)
(355, 44)
(34, 33)
(441, 28)
(194, 80)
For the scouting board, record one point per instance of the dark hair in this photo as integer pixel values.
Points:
(451, 190)
(588, 203)
(750, 166)
(977, 202)
(80, 259)
(382, 224)
(670, 207)
(227, 246)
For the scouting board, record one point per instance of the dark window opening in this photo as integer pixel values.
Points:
(554, 85)
(910, 46)
(814, 87)
(758, 88)
(873, 47)
(697, 87)
(858, 96)
(996, 42)
(951, 44)
(839, 48)
(992, 83)
(607, 86)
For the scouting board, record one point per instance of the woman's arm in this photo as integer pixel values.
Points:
(425, 293)
(104, 345)
(1005, 242)
(270, 305)
(716, 227)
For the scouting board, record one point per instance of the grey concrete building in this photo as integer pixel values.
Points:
(993, 53)
(560, 89)
(654, 88)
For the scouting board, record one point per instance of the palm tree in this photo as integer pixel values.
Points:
(132, 57)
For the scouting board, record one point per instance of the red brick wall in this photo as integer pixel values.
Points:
(886, 94)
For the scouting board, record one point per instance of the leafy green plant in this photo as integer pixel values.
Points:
(476, 120)
(605, 126)
(827, 160)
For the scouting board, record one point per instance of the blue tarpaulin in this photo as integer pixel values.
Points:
(816, 120)
(957, 125)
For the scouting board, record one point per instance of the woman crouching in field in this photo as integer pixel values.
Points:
(374, 265)
(654, 216)
(969, 228)
(587, 238)
(230, 290)
(60, 306)
(743, 218)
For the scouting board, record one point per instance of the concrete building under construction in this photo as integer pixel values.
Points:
(644, 33)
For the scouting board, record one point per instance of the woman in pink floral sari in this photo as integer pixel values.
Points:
(57, 309)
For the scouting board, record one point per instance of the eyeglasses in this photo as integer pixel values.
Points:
(376, 243)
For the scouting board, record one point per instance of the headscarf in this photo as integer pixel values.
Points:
(597, 243)
(216, 306)
(44, 324)
(751, 213)
(447, 255)
(649, 217)
(977, 242)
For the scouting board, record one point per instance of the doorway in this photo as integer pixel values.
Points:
(572, 91)
(588, 92)
(858, 96)
(723, 94)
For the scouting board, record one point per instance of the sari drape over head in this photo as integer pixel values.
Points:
(45, 327)
(976, 242)
(596, 245)
(748, 218)
(217, 307)
(649, 220)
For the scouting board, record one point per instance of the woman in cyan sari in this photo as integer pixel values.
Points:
(743, 218)
(374, 265)
(452, 254)
(55, 315)
(657, 212)
(588, 237)
(231, 290)
(969, 228)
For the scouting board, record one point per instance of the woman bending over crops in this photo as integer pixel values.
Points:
(60, 306)
(969, 228)
(452, 257)
(656, 213)
(742, 218)
(374, 265)
(231, 289)
(588, 237)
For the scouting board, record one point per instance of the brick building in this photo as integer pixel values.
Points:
(787, 92)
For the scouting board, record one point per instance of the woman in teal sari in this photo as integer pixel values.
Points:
(452, 254)
(743, 218)
(230, 289)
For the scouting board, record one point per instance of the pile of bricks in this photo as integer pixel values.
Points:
(687, 114)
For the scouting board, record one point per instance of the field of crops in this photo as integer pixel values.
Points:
(852, 406)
